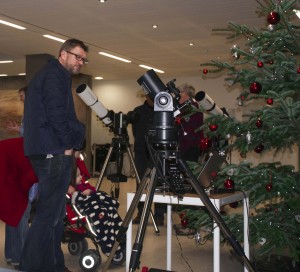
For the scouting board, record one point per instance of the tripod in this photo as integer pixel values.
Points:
(167, 165)
(116, 144)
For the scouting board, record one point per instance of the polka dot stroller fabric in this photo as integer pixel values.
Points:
(102, 211)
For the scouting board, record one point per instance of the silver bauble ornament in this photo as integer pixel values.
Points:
(236, 55)
(248, 137)
(230, 172)
(198, 238)
(262, 241)
(271, 28)
(234, 52)
(228, 136)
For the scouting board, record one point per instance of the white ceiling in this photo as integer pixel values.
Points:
(124, 28)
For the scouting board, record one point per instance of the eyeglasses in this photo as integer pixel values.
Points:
(78, 57)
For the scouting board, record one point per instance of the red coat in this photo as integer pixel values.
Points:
(16, 178)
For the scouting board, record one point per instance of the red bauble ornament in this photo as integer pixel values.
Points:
(205, 71)
(181, 215)
(205, 143)
(269, 101)
(178, 120)
(255, 87)
(229, 183)
(269, 187)
(242, 97)
(298, 70)
(213, 174)
(184, 222)
(259, 148)
(259, 123)
(273, 18)
(213, 127)
(234, 204)
(260, 64)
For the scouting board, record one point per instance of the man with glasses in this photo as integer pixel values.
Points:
(51, 134)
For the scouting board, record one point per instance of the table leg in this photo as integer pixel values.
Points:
(169, 237)
(129, 234)
(246, 229)
(216, 243)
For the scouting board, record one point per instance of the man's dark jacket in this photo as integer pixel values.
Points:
(50, 122)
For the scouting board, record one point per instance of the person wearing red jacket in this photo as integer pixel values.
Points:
(16, 179)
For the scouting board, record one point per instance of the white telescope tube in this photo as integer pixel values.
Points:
(91, 100)
(207, 103)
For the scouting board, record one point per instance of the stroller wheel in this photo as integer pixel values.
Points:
(90, 260)
(119, 257)
(76, 248)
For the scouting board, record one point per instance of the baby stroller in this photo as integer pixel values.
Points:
(78, 228)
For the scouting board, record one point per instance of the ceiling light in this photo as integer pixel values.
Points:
(149, 68)
(54, 38)
(114, 57)
(22, 74)
(102, 1)
(1, 75)
(191, 44)
(98, 77)
(155, 26)
(6, 61)
(12, 25)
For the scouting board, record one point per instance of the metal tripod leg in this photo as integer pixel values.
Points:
(216, 216)
(157, 231)
(138, 244)
(124, 227)
(100, 179)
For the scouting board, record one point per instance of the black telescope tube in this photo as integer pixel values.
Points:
(151, 84)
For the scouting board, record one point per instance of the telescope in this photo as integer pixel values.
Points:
(206, 102)
(115, 121)
(91, 100)
(163, 132)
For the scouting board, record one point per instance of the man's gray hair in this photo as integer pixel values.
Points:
(188, 89)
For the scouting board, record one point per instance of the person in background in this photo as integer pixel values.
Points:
(144, 115)
(51, 133)
(15, 235)
(189, 139)
(13, 125)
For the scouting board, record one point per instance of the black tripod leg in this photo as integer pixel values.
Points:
(138, 181)
(138, 244)
(99, 182)
(216, 216)
(124, 227)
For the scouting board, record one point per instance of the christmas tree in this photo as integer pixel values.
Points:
(267, 69)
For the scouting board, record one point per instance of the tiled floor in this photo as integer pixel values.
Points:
(187, 256)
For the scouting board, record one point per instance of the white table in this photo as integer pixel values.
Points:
(189, 199)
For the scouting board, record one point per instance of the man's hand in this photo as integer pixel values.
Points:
(13, 126)
(87, 192)
(69, 152)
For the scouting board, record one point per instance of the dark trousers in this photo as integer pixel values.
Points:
(42, 250)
